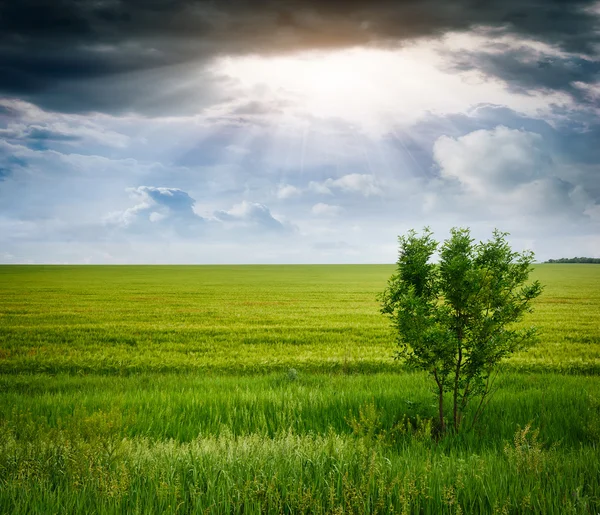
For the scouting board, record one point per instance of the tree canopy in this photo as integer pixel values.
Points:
(457, 319)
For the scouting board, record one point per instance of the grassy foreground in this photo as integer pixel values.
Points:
(272, 389)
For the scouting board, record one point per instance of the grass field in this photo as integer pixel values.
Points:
(252, 389)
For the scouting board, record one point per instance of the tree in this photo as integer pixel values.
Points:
(575, 260)
(458, 319)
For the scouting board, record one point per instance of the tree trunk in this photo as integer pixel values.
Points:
(455, 413)
(440, 401)
(441, 409)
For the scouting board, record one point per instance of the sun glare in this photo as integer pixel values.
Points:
(341, 83)
(366, 85)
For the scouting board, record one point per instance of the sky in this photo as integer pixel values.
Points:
(264, 131)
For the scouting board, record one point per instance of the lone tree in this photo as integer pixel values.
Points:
(456, 319)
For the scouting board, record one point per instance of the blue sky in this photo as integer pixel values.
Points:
(304, 132)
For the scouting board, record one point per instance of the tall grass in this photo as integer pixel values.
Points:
(293, 443)
(293, 474)
(564, 407)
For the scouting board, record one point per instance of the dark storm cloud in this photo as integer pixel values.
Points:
(259, 23)
(69, 80)
(525, 71)
(119, 55)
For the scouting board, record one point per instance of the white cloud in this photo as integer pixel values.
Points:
(250, 214)
(155, 216)
(30, 123)
(363, 184)
(172, 210)
(287, 191)
(322, 209)
(319, 187)
(504, 171)
(356, 183)
(156, 204)
(501, 158)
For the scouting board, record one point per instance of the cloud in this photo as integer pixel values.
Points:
(36, 133)
(354, 183)
(149, 57)
(322, 209)
(258, 108)
(286, 191)
(157, 205)
(528, 67)
(501, 158)
(319, 187)
(60, 132)
(363, 184)
(77, 81)
(569, 142)
(27, 123)
(589, 92)
(505, 171)
(489, 166)
(252, 215)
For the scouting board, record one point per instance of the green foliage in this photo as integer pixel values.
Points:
(587, 260)
(456, 320)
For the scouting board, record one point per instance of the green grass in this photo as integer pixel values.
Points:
(168, 389)
(235, 319)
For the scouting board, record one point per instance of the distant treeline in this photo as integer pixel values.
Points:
(575, 260)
